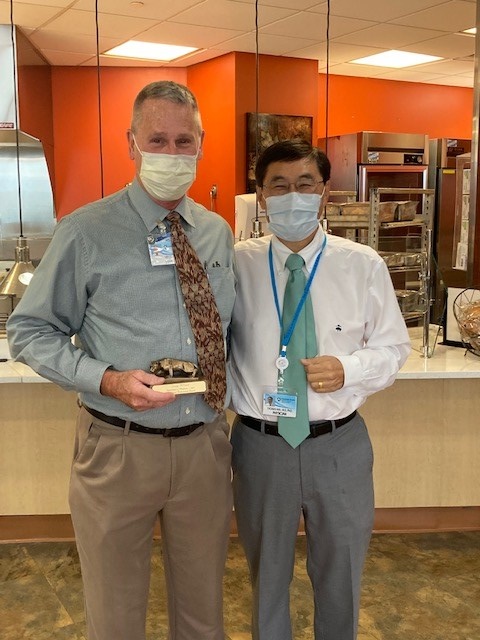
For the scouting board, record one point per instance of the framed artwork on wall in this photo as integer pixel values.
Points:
(272, 128)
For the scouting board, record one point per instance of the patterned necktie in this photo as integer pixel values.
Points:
(203, 314)
(303, 344)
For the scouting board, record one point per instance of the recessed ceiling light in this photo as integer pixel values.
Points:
(149, 51)
(396, 59)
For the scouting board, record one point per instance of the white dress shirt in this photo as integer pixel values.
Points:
(357, 320)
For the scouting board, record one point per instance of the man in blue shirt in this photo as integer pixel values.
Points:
(138, 453)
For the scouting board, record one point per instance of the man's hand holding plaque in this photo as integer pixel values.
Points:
(180, 376)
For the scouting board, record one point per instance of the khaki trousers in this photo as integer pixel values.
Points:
(121, 482)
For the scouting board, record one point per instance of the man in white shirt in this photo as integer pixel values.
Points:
(359, 343)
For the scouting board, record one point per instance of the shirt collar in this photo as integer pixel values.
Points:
(152, 213)
(308, 253)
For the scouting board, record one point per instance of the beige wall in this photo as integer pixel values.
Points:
(37, 427)
(425, 436)
(426, 439)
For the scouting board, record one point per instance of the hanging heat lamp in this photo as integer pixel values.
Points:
(19, 276)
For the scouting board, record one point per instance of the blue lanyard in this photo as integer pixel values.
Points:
(293, 324)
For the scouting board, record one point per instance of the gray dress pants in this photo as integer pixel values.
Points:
(329, 479)
(121, 483)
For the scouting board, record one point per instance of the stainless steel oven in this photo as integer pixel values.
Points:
(361, 161)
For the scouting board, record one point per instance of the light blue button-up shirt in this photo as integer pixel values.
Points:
(96, 282)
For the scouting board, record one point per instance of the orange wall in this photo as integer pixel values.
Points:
(76, 129)
(35, 107)
(225, 88)
(287, 86)
(369, 104)
(213, 83)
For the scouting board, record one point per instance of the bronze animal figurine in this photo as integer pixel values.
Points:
(172, 368)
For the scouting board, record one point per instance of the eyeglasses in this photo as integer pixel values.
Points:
(303, 185)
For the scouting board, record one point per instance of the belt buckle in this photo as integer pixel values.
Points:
(179, 431)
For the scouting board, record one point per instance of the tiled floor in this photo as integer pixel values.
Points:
(416, 587)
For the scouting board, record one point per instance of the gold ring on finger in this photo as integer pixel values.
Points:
(320, 385)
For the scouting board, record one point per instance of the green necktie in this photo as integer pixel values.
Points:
(303, 344)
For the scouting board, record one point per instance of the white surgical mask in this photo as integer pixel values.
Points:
(166, 176)
(293, 216)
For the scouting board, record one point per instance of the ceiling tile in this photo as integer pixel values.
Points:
(450, 67)
(314, 26)
(109, 61)
(66, 58)
(27, 15)
(157, 10)
(55, 41)
(377, 10)
(449, 16)
(273, 45)
(338, 52)
(49, 3)
(299, 5)
(78, 22)
(345, 69)
(230, 15)
(294, 25)
(196, 57)
(389, 36)
(453, 81)
(187, 35)
(446, 46)
(64, 31)
(409, 75)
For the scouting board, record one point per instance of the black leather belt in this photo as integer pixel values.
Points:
(316, 428)
(176, 432)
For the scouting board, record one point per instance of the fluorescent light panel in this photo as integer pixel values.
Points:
(396, 59)
(149, 51)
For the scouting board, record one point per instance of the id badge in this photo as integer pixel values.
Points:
(160, 249)
(279, 403)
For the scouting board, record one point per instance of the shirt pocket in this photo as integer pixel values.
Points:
(222, 282)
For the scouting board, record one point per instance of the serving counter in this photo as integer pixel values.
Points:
(425, 431)
(37, 426)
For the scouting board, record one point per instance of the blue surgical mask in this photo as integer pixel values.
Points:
(293, 216)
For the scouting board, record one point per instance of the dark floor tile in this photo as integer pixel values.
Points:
(30, 609)
(71, 632)
(415, 587)
(427, 552)
(237, 591)
(421, 587)
(15, 563)
(59, 563)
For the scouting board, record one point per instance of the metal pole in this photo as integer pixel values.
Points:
(426, 284)
(473, 223)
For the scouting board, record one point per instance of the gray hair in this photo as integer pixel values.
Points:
(165, 90)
